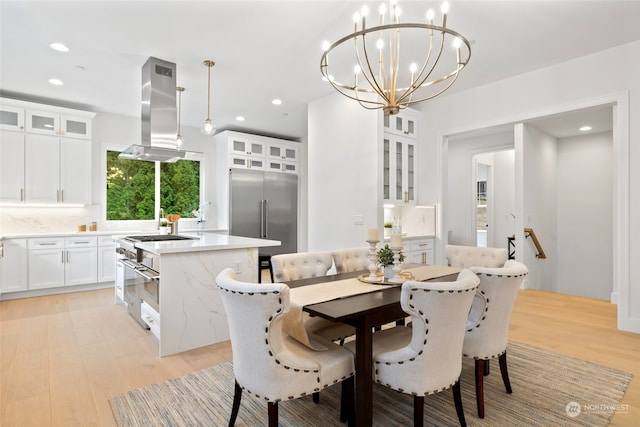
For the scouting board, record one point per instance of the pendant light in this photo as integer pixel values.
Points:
(208, 128)
(180, 89)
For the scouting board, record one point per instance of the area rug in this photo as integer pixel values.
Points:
(549, 389)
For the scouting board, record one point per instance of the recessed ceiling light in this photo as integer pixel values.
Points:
(585, 128)
(277, 101)
(60, 47)
(240, 118)
(56, 82)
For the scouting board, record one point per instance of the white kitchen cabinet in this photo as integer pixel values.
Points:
(11, 118)
(106, 259)
(282, 151)
(46, 263)
(57, 170)
(54, 123)
(404, 124)
(399, 183)
(81, 260)
(11, 166)
(13, 265)
(246, 162)
(245, 145)
(422, 251)
(245, 151)
(55, 262)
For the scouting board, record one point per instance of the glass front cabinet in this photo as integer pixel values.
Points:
(399, 158)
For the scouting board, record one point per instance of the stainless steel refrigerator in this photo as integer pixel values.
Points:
(264, 205)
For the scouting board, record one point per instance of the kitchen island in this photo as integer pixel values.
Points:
(191, 313)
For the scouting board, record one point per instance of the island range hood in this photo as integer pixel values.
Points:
(159, 115)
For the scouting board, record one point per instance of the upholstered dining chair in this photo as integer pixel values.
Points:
(267, 362)
(488, 323)
(351, 259)
(469, 256)
(425, 359)
(302, 265)
(305, 265)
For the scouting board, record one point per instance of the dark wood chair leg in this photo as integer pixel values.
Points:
(457, 400)
(418, 411)
(237, 396)
(347, 401)
(316, 397)
(480, 387)
(503, 370)
(487, 367)
(271, 271)
(273, 414)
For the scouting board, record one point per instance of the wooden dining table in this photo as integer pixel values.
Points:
(364, 312)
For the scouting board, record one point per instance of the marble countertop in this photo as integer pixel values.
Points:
(114, 233)
(205, 241)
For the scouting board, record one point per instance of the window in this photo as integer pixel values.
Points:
(132, 192)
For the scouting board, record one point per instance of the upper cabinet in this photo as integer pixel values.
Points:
(50, 123)
(399, 157)
(245, 151)
(45, 154)
(405, 123)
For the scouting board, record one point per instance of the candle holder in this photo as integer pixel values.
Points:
(373, 267)
(396, 266)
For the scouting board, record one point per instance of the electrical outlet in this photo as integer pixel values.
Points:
(358, 219)
(238, 269)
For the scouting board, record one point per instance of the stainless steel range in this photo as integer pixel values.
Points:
(138, 278)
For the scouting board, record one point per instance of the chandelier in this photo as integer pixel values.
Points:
(376, 69)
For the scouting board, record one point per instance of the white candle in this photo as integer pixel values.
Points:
(372, 235)
(396, 241)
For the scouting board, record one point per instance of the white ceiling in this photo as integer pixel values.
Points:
(266, 49)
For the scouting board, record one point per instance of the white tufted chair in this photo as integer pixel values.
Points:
(425, 359)
(469, 256)
(268, 363)
(301, 265)
(353, 259)
(488, 323)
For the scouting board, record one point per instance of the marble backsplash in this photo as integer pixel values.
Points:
(42, 220)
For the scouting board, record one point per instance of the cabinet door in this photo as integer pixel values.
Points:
(399, 178)
(282, 152)
(42, 169)
(11, 118)
(246, 162)
(402, 124)
(245, 146)
(75, 171)
(280, 166)
(75, 127)
(106, 263)
(13, 265)
(11, 166)
(46, 268)
(43, 122)
(81, 266)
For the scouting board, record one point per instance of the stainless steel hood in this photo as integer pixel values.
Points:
(159, 115)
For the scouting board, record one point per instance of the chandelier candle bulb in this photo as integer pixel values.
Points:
(372, 235)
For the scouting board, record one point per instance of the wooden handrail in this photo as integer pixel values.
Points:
(536, 242)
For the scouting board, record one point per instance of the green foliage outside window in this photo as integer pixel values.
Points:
(131, 188)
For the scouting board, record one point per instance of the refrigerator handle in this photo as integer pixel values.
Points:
(266, 219)
(262, 218)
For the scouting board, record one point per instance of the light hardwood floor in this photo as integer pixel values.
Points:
(63, 357)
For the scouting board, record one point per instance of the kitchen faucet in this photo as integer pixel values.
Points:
(160, 217)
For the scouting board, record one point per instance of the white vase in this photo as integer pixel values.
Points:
(388, 271)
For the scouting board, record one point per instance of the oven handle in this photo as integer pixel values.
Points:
(140, 269)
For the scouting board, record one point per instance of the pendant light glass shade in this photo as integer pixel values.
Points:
(208, 128)
(179, 136)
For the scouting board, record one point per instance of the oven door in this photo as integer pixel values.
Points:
(140, 284)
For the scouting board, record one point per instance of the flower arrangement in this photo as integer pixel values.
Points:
(388, 225)
(386, 254)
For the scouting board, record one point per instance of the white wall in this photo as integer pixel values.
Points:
(344, 160)
(503, 197)
(585, 215)
(610, 75)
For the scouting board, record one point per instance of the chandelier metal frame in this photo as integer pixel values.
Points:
(385, 85)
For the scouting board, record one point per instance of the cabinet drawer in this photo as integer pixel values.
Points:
(80, 242)
(46, 243)
(421, 244)
(106, 241)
